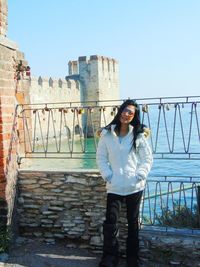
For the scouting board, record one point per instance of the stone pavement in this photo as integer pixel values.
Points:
(37, 254)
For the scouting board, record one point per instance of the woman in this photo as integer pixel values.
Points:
(124, 159)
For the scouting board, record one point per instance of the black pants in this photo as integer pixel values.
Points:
(132, 205)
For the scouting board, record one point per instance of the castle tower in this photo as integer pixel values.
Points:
(99, 82)
(99, 78)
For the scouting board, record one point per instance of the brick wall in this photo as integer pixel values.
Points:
(10, 56)
(7, 110)
(3, 17)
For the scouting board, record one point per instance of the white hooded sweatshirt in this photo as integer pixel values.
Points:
(124, 169)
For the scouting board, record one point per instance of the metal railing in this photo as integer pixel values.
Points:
(68, 131)
(172, 202)
(63, 129)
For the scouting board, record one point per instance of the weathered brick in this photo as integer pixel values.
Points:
(6, 66)
(5, 136)
(8, 110)
(6, 83)
(6, 74)
(6, 128)
(7, 100)
(4, 144)
(6, 118)
(8, 91)
(3, 159)
(2, 194)
(2, 186)
(6, 57)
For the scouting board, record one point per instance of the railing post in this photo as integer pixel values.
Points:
(198, 201)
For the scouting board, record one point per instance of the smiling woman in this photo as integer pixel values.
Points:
(124, 159)
(126, 117)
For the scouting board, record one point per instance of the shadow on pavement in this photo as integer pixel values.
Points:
(36, 254)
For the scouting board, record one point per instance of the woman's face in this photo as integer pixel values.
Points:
(127, 114)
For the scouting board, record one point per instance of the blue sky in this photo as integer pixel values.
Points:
(157, 43)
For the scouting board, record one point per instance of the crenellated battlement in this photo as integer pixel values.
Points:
(105, 65)
(73, 67)
(43, 89)
(46, 82)
(90, 79)
(101, 58)
(98, 76)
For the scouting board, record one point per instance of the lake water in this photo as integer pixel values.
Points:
(161, 167)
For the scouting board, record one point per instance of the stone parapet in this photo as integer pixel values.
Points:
(46, 82)
(70, 206)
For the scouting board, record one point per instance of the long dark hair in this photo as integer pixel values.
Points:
(137, 126)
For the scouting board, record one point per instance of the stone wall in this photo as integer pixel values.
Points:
(71, 206)
(53, 92)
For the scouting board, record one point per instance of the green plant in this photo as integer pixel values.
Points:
(146, 220)
(180, 216)
(4, 239)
